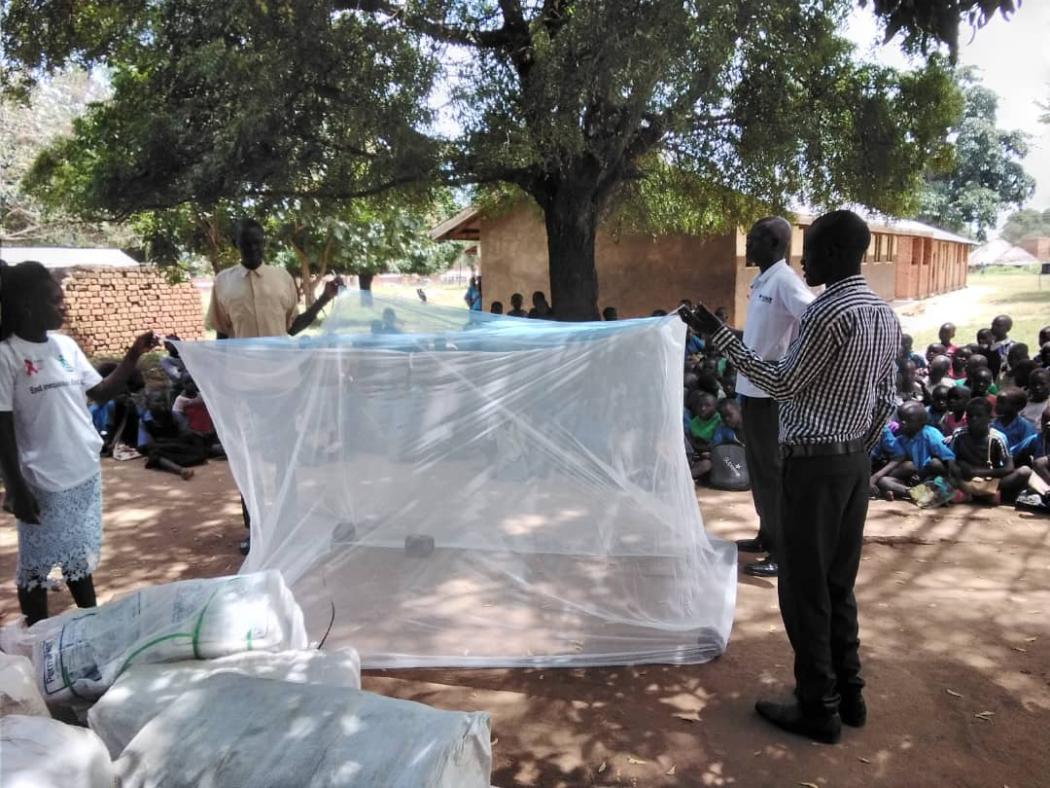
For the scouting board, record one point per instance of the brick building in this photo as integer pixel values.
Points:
(640, 273)
(1039, 248)
(110, 298)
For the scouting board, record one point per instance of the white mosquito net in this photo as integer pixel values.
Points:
(544, 460)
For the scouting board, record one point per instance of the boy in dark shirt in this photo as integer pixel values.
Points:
(516, 301)
(982, 454)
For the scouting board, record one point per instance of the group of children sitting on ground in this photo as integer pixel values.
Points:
(712, 418)
(973, 422)
(169, 426)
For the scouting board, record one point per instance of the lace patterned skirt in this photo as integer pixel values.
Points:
(69, 535)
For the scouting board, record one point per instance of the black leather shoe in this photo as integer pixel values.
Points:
(762, 569)
(750, 545)
(853, 710)
(826, 728)
(245, 546)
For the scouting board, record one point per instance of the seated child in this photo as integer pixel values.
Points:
(885, 452)
(980, 385)
(729, 430)
(1040, 480)
(934, 350)
(706, 419)
(946, 335)
(958, 396)
(702, 428)
(191, 413)
(959, 361)
(922, 453)
(1020, 435)
(1019, 374)
(973, 363)
(983, 467)
(938, 408)
(908, 387)
(908, 354)
(936, 374)
(1044, 355)
(1038, 391)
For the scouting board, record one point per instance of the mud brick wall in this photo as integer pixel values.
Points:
(106, 308)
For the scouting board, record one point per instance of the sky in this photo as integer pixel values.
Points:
(1014, 60)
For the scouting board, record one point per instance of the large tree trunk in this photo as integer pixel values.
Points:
(571, 216)
(364, 283)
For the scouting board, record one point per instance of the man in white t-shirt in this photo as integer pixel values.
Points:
(778, 299)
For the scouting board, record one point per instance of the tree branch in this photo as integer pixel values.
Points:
(482, 39)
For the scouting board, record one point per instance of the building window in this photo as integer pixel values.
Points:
(891, 248)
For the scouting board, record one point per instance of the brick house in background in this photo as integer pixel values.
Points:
(1039, 248)
(110, 298)
(639, 273)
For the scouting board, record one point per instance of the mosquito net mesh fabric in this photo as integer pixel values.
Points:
(543, 461)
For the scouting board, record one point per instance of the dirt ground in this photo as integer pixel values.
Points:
(954, 623)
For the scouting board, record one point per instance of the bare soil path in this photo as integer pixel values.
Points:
(954, 616)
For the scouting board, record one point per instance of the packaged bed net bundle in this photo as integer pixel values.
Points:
(467, 490)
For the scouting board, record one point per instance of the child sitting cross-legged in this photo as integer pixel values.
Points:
(1021, 436)
(984, 469)
(922, 455)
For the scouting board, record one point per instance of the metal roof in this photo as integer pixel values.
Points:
(67, 257)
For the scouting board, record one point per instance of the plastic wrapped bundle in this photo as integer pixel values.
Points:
(509, 493)
(231, 730)
(144, 691)
(78, 655)
(39, 752)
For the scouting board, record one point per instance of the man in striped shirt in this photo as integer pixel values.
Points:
(836, 389)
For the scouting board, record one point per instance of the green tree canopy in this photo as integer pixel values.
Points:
(580, 105)
(987, 175)
(26, 129)
(1027, 223)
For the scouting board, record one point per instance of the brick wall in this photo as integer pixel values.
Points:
(106, 308)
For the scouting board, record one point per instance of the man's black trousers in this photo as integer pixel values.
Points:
(824, 502)
(761, 418)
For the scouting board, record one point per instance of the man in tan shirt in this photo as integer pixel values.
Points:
(256, 300)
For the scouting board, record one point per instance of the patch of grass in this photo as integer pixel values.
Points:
(1025, 297)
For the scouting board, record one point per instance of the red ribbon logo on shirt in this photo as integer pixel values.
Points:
(31, 369)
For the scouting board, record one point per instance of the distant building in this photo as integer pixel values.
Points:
(67, 257)
(1039, 248)
(110, 298)
(640, 273)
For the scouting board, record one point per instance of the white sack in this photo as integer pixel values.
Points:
(18, 690)
(38, 752)
(78, 655)
(232, 730)
(144, 691)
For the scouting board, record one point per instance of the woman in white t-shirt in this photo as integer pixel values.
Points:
(48, 444)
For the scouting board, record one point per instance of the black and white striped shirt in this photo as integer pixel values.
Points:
(837, 379)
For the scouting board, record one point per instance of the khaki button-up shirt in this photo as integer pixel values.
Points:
(259, 303)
